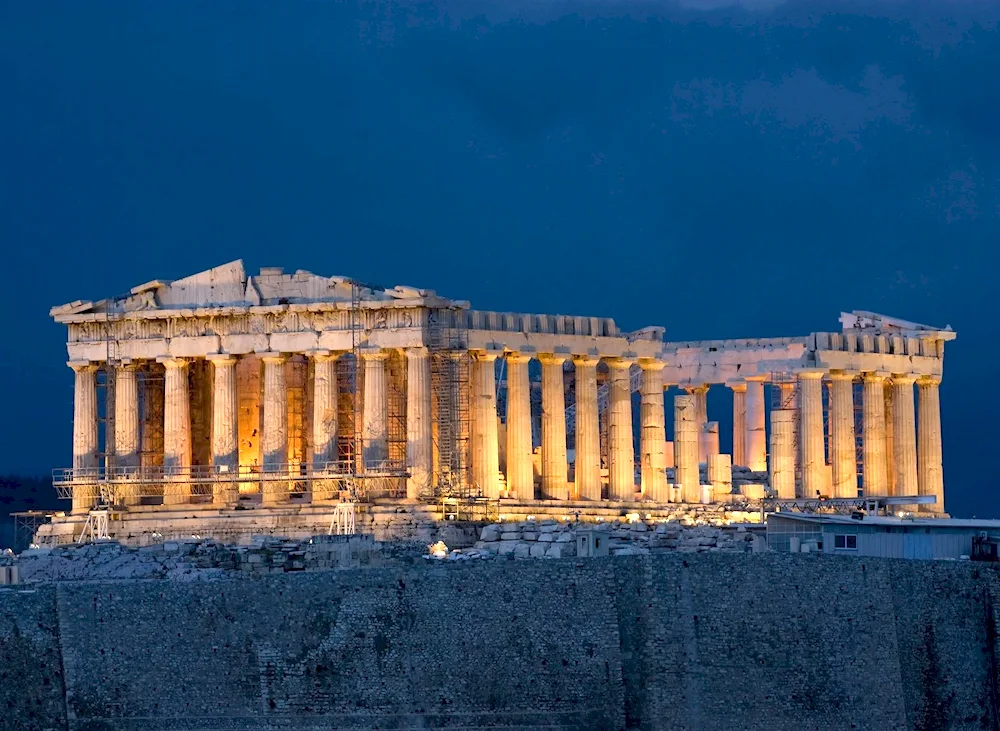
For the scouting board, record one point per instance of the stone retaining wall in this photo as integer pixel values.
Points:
(694, 641)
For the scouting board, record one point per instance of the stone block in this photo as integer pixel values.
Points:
(537, 550)
(491, 533)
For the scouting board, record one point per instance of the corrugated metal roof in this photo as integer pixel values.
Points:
(971, 523)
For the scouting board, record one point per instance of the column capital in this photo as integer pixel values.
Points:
(875, 376)
(619, 363)
(373, 353)
(221, 358)
(323, 356)
(82, 366)
(420, 351)
(903, 378)
(737, 386)
(586, 360)
(552, 358)
(696, 388)
(486, 356)
(171, 362)
(513, 356)
(273, 357)
(843, 375)
(810, 374)
(652, 364)
(933, 380)
(755, 379)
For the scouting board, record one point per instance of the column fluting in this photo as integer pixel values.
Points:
(929, 453)
(520, 472)
(554, 466)
(84, 436)
(904, 434)
(419, 440)
(873, 459)
(652, 435)
(621, 448)
(756, 434)
(843, 446)
(588, 437)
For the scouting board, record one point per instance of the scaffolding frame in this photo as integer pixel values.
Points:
(450, 384)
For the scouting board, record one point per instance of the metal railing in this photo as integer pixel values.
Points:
(155, 481)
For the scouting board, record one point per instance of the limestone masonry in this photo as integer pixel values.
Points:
(229, 396)
(700, 642)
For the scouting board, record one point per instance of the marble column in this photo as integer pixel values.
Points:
(324, 414)
(739, 424)
(419, 424)
(225, 428)
(930, 472)
(274, 429)
(652, 435)
(686, 472)
(588, 438)
(873, 436)
(789, 399)
(126, 428)
(621, 449)
(375, 416)
(890, 450)
(756, 434)
(782, 467)
(811, 432)
(84, 436)
(520, 472)
(720, 474)
(126, 417)
(554, 467)
(176, 431)
(486, 448)
(700, 394)
(843, 445)
(904, 429)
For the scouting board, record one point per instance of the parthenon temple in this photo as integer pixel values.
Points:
(226, 390)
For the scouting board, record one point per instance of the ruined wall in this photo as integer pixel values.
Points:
(703, 641)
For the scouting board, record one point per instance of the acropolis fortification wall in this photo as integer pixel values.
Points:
(765, 641)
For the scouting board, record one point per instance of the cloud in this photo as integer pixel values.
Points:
(800, 100)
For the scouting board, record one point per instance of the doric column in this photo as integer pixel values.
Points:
(588, 437)
(811, 433)
(700, 394)
(176, 431)
(930, 472)
(225, 428)
(890, 450)
(756, 435)
(486, 448)
(274, 429)
(375, 417)
(419, 443)
(782, 467)
(686, 472)
(554, 466)
(126, 417)
(126, 426)
(739, 424)
(652, 437)
(520, 473)
(843, 447)
(789, 398)
(84, 436)
(324, 415)
(621, 450)
(873, 435)
(904, 429)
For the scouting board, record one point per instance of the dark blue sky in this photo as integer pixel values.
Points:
(720, 169)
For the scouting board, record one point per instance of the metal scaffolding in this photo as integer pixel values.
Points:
(450, 385)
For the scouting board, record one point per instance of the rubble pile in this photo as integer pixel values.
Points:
(197, 559)
(554, 539)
